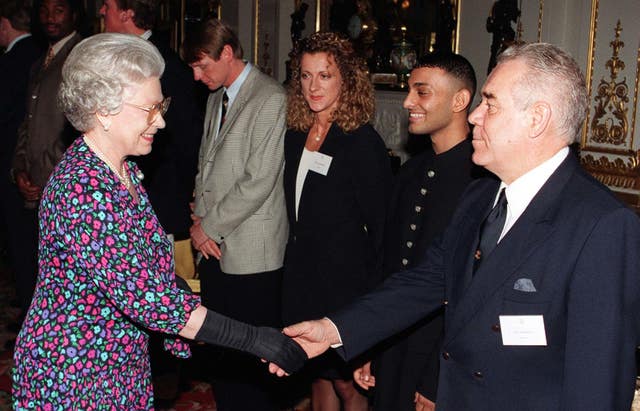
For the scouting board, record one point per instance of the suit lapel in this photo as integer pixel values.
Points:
(212, 120)
(239, 102)
(293, 146)
(211, 123)
(468, 241)
(528, 233)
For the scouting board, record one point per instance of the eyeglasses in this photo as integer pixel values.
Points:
(158, 108)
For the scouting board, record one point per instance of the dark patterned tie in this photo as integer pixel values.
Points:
(223, 115)
(491, 229)
(48, 59)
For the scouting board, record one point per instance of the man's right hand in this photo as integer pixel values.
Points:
(362, 376)
(29, 191)
(315, 337)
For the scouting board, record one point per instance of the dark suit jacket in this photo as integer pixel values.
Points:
(334, 253)
(45, 133)
(14, 67)
(580, 248)
(435, 183)
(170, 169)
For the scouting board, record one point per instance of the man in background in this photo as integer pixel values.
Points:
(240, 223)
(170, 169)
(21, 51)
(45, 132)
(425, 195)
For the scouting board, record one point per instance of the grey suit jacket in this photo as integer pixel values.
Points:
(239, 190)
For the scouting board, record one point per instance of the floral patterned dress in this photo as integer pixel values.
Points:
(106, 276)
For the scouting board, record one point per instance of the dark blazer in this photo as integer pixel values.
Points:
(170, 169)
(426, 191)
(45, 133)
(334, 253)
(14, 66)
(579, 246)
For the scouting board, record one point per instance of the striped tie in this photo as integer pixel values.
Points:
(49, 58)
(223, 114)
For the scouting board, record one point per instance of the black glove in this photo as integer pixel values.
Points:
(182, 284)
(263, 342)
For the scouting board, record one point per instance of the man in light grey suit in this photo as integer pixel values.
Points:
(239, 215)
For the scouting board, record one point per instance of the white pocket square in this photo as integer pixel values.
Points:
(524, 284)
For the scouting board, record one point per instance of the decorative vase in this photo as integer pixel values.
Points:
(403, 58)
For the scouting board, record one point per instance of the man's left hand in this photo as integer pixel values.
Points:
(201, 240)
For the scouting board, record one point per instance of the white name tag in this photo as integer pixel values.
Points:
(523, 330)
(320, 163)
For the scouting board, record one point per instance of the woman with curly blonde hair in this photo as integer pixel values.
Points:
(336, 179)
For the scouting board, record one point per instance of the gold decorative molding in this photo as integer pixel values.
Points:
(457, 4)
(540, 14)
(612, 97)
(635, 97)
(618, 173)
(590, 63)
(319, 19)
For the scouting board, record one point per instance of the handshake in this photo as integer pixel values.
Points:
(285, 351)
(311, 338)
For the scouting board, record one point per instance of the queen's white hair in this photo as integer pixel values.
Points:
(99, 73)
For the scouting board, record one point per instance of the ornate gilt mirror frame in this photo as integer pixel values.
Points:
(609, 149)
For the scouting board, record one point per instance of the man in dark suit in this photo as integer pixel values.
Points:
(45, 132)
(21, 51)
(542, 291)
(170, 169)
(240, 216)
(426, 191)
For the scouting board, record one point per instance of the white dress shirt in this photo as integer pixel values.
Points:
(522, 190)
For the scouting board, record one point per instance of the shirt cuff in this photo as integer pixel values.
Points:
(338, 345)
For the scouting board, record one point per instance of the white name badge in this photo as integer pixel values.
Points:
(523, 330)
(320, 163)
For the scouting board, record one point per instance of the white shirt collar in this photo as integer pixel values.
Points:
(17, 39)
(234, 88)
(146, 35)
(522, 190)
(60, 43)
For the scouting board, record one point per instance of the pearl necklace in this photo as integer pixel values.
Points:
(122, 175)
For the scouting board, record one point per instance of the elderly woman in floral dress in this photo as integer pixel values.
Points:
(106, 271)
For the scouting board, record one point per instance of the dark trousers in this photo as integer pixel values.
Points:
(241, 382)
(22, 242)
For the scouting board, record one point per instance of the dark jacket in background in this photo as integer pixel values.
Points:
(170, 169)
(426, 192)
(15, 67)
(45, 133)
